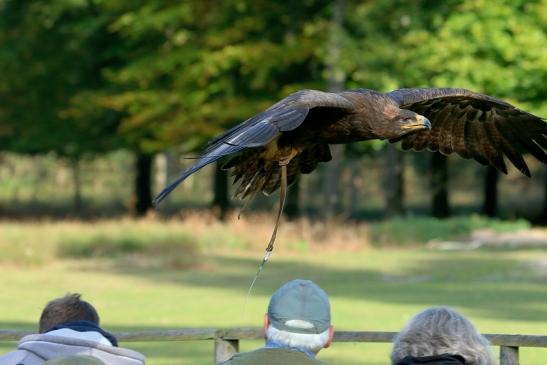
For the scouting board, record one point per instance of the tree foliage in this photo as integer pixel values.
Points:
(49, 63)
(161, 73)
(87, 76)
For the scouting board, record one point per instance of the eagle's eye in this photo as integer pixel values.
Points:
(406, 120)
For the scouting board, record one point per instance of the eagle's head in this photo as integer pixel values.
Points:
(404, 122)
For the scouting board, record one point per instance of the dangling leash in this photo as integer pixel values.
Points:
(282, 197)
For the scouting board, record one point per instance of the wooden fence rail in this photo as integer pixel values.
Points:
(226, 341)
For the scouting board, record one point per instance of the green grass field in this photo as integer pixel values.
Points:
(203, 282)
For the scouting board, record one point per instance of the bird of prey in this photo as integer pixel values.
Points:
(291, 137)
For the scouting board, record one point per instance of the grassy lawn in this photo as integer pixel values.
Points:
(502, 291)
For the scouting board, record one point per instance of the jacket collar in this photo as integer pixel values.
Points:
(444, 359)
(274, 345)
(85, 326)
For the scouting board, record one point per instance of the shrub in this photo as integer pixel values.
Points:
(418, 231)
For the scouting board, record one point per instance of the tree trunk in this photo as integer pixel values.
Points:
(143, 185)
(221, 201)
(394, 182)
(160, 170)
(543, 216)
(77, 181)
(331, 182)
(356, 184)
(335, 80)
(1, 162)
(440, 207)
(292, 205)
(490, 203)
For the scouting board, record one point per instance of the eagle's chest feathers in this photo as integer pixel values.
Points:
(351, 128)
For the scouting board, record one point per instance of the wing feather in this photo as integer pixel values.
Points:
(435, 132)
(259, 130)
(458, 138)
(486, 147)
(420, 143)
(408, 141)
(497, 142)
(474, 126)
(541, 141)
(526, 137)
(445, 140)
(473, 144)
(511, 150)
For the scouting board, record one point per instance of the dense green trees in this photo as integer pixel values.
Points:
(89, 76)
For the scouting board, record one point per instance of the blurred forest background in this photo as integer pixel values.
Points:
(102, 102)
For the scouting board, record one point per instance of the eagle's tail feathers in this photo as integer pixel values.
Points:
(206, 159)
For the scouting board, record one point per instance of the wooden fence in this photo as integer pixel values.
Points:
(226, 341)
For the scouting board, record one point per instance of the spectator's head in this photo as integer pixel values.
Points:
(75, 360)
(299, 317)
(440, 331)
(67, 309)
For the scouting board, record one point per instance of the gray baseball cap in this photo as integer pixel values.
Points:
(75, 360)
(300, 306)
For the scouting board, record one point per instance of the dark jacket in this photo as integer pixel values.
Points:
(444, 359)
(269, 356)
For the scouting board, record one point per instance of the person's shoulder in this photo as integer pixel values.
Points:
(16, 357)
(22, 354)
(43, 344)
(243, 358)
(264, 355)
(11, 355)
(295, 356)
(271, 356)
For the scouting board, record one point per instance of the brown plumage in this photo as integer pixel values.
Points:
(291, 137)
(299, 128)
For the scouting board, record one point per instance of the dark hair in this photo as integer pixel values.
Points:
(67, 309)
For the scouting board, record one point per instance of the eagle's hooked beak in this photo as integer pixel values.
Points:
(420, 122)
(424, 121)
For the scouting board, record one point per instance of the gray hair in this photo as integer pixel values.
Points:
(300, 341)
(441, 330)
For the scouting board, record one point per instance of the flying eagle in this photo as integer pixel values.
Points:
(292, 136)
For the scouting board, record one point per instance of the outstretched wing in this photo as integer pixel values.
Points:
(474, 126)
(259, 130)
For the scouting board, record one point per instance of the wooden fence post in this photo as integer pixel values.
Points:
(509, 355)
(225, 349)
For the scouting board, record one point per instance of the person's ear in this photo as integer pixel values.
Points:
(266, 322)
(331, 336)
